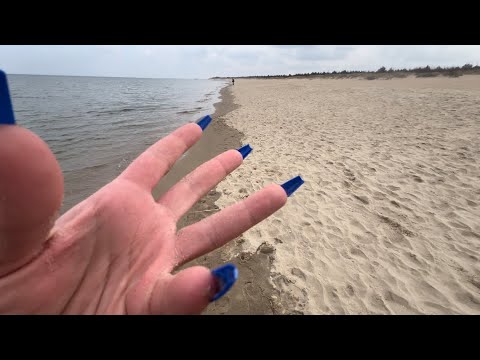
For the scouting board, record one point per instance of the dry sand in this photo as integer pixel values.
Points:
(387, 221)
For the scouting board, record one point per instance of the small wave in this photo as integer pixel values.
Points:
(123, 110)
(135, 125)
(26, 97)
(190, 111)
(62, 117)
(85, 170)
(109, 112)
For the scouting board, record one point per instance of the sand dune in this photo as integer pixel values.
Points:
(388, 220)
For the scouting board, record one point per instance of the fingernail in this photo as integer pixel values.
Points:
(245, 150)
(292, 185)
(6, 109)
(204, 122)
(226, 275)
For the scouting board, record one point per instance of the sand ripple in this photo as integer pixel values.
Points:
(388, 218)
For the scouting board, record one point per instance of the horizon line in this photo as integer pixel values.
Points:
(108, 76)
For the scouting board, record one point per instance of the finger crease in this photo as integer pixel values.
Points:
(251, 217)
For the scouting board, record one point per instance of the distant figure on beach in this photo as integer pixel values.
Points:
(233, 81)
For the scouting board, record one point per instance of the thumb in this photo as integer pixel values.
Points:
(31, 189)
(191, 290)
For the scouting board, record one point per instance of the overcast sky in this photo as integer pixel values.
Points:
(196, 61)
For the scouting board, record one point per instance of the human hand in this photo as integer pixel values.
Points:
(115, 252)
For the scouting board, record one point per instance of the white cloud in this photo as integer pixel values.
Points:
(196, 61)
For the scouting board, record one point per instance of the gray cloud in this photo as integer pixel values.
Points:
(197, 61)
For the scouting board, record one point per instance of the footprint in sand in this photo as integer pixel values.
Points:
(471, 203)
(357, 224)
(363, 199)
(308, 229)
(376, 302)
(367, 238)
(349, 174)
(468, 299)
(470, 234)
(298, 273)
(459, 225)
(394, 203)
(350, 290)
(396, 226)
(417, 179)
(358, 253)
(277, 222)
(397, 299)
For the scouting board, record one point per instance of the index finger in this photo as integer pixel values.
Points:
(147, 169)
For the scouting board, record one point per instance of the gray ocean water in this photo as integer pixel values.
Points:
(97, 126)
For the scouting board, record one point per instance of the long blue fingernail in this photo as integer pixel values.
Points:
(292, 185)
(6, 108)
(226, 276)
(245, 150)
(204, 122)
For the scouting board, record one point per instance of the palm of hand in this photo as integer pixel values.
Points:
(115, 252)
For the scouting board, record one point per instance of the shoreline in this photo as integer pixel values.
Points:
(217, 138)
(252, 294)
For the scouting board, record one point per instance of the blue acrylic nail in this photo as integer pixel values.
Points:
(245, 150)
(204, 122)
(6, 108)
(226, 276)
(292, 185)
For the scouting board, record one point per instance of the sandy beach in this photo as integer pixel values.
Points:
(387, 221)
